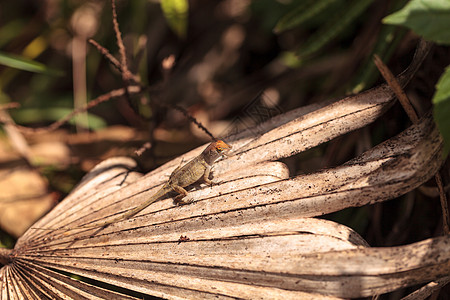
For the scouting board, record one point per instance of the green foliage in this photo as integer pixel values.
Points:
(428, 18)
(25, 64)
(176, 14)
(334, 17)
(6, 241)
(10, 30)
(35, 115)
(269, 12)
(304, 11)
(386, 43)
(333, 28)
(441, 101)
(431, 19)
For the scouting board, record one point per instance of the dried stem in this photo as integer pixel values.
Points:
(92, 103)
(428, 289)
(167, 66)
(404, 101)
(395, 86)
(127, 76)
(123, 57)
(143, 148)
(409, 109)
(125, 91)
(9, 105)
(112, 59)
(106, 54)
(444, 203)
(191, 118)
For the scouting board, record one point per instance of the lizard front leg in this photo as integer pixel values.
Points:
(206, 176)
(181, 198)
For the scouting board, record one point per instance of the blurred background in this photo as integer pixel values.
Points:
(225, 61)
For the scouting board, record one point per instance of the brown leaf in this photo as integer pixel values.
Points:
(248, 236)
(24, 199)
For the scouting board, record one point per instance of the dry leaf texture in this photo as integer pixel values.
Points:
(248, 236)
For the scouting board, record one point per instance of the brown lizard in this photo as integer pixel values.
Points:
(183, 176)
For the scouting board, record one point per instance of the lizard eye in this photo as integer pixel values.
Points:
(221, 147)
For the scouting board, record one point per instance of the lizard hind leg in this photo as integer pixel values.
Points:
(182, 198)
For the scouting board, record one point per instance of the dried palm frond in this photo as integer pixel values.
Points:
(250, 235)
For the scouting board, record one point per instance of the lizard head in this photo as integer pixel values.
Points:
(215, 150)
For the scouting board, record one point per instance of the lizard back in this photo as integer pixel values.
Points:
(189, 173)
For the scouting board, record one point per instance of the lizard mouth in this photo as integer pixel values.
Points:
(225, 154)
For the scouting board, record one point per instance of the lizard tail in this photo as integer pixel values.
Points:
(161, 192)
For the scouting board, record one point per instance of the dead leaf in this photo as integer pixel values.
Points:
(24, 197)
(250, 235)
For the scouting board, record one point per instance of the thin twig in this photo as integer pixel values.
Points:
(92, 103)
(428, 289)
(143, 148)
(443, 197)
(126, 74)
(167, 66)
(111, 59)
(404, 101)
(9, 105)
(106, 54)
(123, 56)
(189, 117)
(395, 86)
(431, 192)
